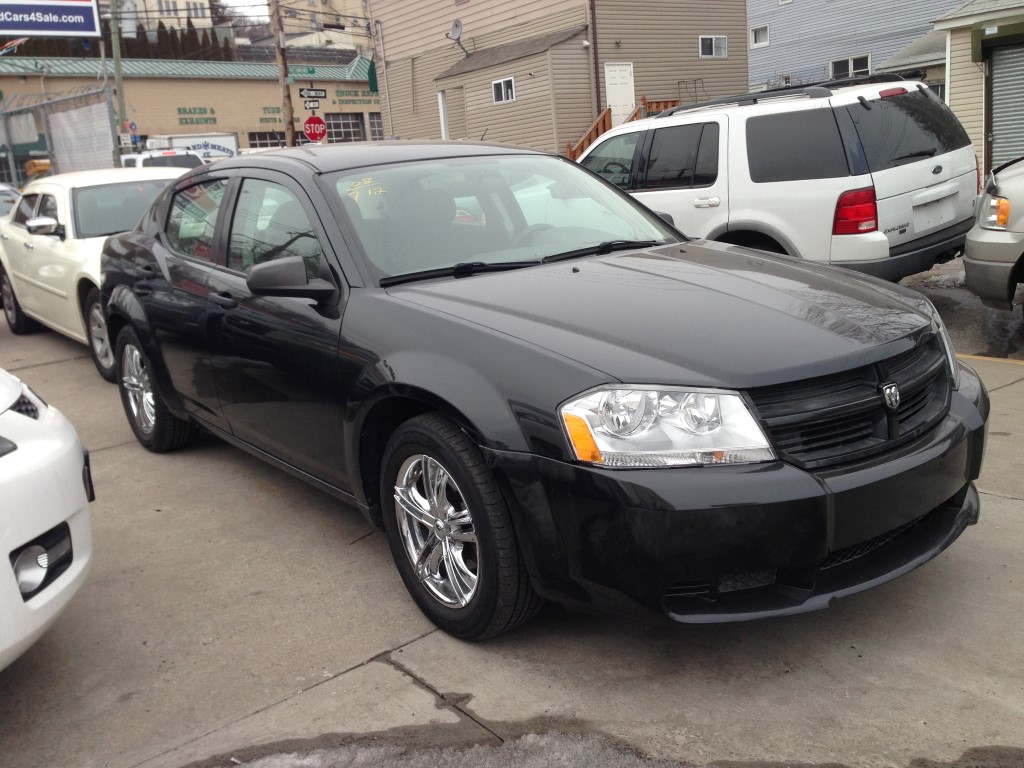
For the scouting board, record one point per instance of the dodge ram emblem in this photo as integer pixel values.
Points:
(891, 393)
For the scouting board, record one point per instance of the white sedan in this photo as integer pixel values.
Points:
(45, 535)
(50, 246)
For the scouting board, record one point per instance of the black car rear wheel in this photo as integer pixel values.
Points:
(450, 531)
(19, 322)
(100, 347)
(154, 425)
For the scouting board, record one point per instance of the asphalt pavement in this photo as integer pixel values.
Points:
(235, 615)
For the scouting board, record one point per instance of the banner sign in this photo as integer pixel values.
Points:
(50, 18)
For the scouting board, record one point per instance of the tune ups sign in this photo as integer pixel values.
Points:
(50, 18)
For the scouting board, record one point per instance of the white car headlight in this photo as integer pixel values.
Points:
(645, 426)
(994, 212)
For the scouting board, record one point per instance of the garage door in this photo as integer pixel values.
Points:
(1007, 104)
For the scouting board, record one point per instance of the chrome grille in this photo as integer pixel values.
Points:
(839, 418)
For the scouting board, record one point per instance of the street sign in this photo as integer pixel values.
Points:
(125, 139)
(311, 103)
(315, 128)
(313, 93)
(302, 70)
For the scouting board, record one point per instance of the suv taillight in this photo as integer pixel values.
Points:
(856, 212)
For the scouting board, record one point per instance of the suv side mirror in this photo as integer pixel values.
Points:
(287, 277)
(43, 225)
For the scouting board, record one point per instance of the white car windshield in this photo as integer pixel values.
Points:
(111, 208)
(487, 211)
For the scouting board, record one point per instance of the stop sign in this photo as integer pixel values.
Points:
(315, 128)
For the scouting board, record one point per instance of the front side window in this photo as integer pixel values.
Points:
(613, 158)
(683, 156)
(714, 47)
(270, 223)
(192, 218)
(759, 36)
(48, 206)
(504, 90)
(26, 206)
(857, 66)
(792, 146)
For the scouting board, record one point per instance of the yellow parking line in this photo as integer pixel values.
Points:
(991, 359)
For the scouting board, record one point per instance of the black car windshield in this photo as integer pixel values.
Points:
(435, 214)
(111, 208)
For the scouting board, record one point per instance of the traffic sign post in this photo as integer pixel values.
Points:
(315, 128)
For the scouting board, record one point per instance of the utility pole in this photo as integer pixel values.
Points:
(115, 37)
(287, 113)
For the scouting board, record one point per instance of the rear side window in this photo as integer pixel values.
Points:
(683, 156)
(795, 146)
(613, 158)
(906, 129)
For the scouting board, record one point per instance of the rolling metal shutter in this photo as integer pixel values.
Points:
(1007, 104)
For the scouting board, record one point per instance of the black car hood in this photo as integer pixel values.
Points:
(693, 313)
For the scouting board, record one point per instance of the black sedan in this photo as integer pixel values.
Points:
(540, 389)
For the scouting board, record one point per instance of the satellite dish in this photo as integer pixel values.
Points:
(456, 32)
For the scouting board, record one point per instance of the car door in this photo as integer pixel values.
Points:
(18, 248)
(55, 263)
(175, 297)
(276, 358)
(682, 172)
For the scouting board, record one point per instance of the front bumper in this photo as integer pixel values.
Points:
(990, 257)
(750, 541)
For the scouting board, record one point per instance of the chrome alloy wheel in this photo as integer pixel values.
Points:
(437, 530)
(138, 389)
(7, 292)
(99, 338)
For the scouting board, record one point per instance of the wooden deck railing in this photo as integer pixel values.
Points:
(604, 121)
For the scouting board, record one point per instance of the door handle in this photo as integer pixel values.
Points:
(3, 235)
(29, 246)
(707, 202)
(224, 299)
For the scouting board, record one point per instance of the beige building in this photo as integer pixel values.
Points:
(175, 97)
(985, 75)
(538, 72)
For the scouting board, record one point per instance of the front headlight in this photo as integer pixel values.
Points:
(645, 426)
(994, 212)
(947, 343)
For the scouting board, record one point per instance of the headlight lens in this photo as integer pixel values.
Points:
(947, 343)
(642, 426)
(994, 212)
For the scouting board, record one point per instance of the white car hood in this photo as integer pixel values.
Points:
(10, 390)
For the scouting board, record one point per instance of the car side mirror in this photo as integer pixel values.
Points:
(43, 225)
(287, 277)
(667, 217)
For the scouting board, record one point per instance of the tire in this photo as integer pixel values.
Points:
(18, 321)
(472, 582)
(154, 425)
(100, 347)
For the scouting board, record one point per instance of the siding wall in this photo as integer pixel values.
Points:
(806, 34)
(965, 88)
(660, 37)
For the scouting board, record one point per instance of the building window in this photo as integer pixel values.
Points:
(855, 66)
(312, 20)
(504, 90)
(344, 127)
(174, 5)
(265, 139)
(376, 126)
(714, 47)
(759, 36)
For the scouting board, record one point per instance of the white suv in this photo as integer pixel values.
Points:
(880, 178)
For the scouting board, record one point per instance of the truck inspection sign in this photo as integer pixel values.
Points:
(50, 18)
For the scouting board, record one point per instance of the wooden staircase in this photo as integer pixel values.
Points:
(604, 121)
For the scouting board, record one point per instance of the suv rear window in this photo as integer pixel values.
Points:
(795, 145)
(905, 129)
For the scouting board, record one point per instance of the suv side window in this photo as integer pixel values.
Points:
(192, 218)
(270, 223)
(613, 158)
(683, 156)
(793, 146)
(48, 206)
(25, 208)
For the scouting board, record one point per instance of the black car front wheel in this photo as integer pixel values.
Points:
(152, 422)
(450, 531)
(18, 321)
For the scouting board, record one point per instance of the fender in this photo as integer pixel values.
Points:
(760, 228)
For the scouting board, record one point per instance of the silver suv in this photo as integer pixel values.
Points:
(994, 257)
(880, 178)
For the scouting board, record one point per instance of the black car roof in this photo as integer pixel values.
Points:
(326, 158)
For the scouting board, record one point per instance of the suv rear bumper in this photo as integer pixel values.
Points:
(916, 256)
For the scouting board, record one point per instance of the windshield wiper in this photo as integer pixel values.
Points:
(919, 153)
(462, 269)
(602, 249)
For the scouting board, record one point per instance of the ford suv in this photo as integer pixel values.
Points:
(878, 177)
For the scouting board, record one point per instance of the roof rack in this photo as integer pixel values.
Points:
(820, 90)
